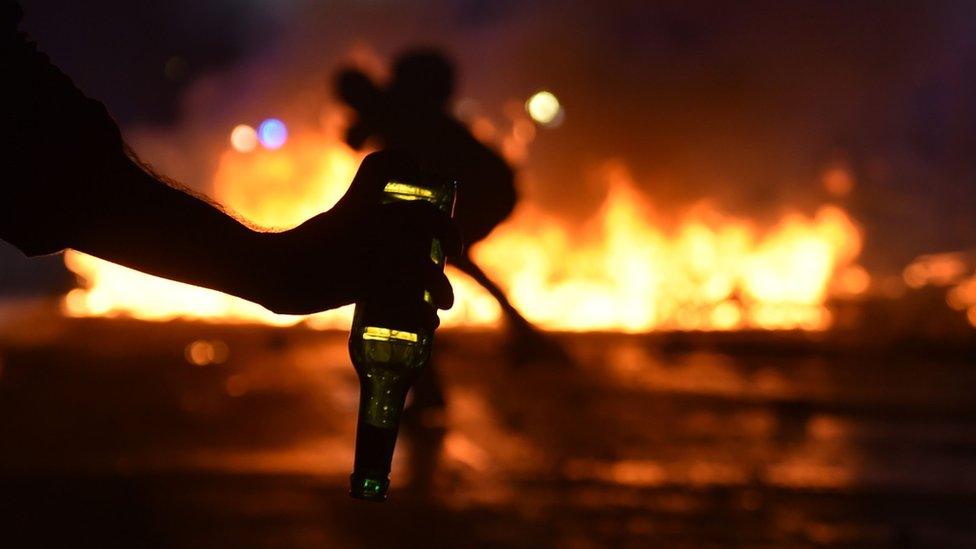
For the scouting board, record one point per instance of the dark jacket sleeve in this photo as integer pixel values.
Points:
(56, 146)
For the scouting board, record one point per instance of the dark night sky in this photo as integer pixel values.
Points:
(745, 102)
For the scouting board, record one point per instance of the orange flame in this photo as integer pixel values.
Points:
(620, 270)
(624, 272)
(954, 270)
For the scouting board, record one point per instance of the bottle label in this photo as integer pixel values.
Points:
(374, 333)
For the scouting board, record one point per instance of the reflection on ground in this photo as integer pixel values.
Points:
(126, 430)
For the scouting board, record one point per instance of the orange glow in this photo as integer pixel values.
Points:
(955, 270)
(625, 269)
(236, 385)
(283, 188)
(935, 270)
(838, 181)
(963, 298)
(202, 352)
(852, 281)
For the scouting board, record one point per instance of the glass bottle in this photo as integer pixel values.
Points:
(389, 349)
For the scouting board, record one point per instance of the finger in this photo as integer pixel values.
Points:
(418, 313)
(437, 283)
(412, 273)
(376, 171)
(405, 277)
(425, 218)
(429, 317)
(446, 230)
(425, 315)
(398, 313)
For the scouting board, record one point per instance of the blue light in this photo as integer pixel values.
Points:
(272, 133)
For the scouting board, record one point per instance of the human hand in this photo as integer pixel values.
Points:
(361, 249)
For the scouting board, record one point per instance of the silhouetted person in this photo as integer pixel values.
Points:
(412, 114)
(68, 180)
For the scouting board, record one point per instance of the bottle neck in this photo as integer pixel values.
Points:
(370, 479)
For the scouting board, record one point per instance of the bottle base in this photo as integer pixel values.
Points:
(368, 487)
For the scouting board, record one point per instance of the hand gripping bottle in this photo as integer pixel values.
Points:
(389, 349)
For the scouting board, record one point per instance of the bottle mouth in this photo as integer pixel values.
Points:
(368, 487)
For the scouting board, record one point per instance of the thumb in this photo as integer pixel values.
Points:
(376, 171)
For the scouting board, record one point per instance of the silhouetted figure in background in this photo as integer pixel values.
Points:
(411, 114)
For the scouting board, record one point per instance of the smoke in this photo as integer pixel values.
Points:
(745, 108)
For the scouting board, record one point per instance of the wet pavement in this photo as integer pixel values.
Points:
(110, 434)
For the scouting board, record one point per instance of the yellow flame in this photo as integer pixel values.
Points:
(282, 188)
(624, 272)
(624, 269)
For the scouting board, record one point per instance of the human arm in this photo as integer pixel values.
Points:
(67, 180)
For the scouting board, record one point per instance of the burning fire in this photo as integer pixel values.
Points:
(955, 271)
(621, 270)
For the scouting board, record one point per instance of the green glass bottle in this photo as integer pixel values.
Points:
(389, 350)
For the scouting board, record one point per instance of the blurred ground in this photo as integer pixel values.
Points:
(109, 434)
